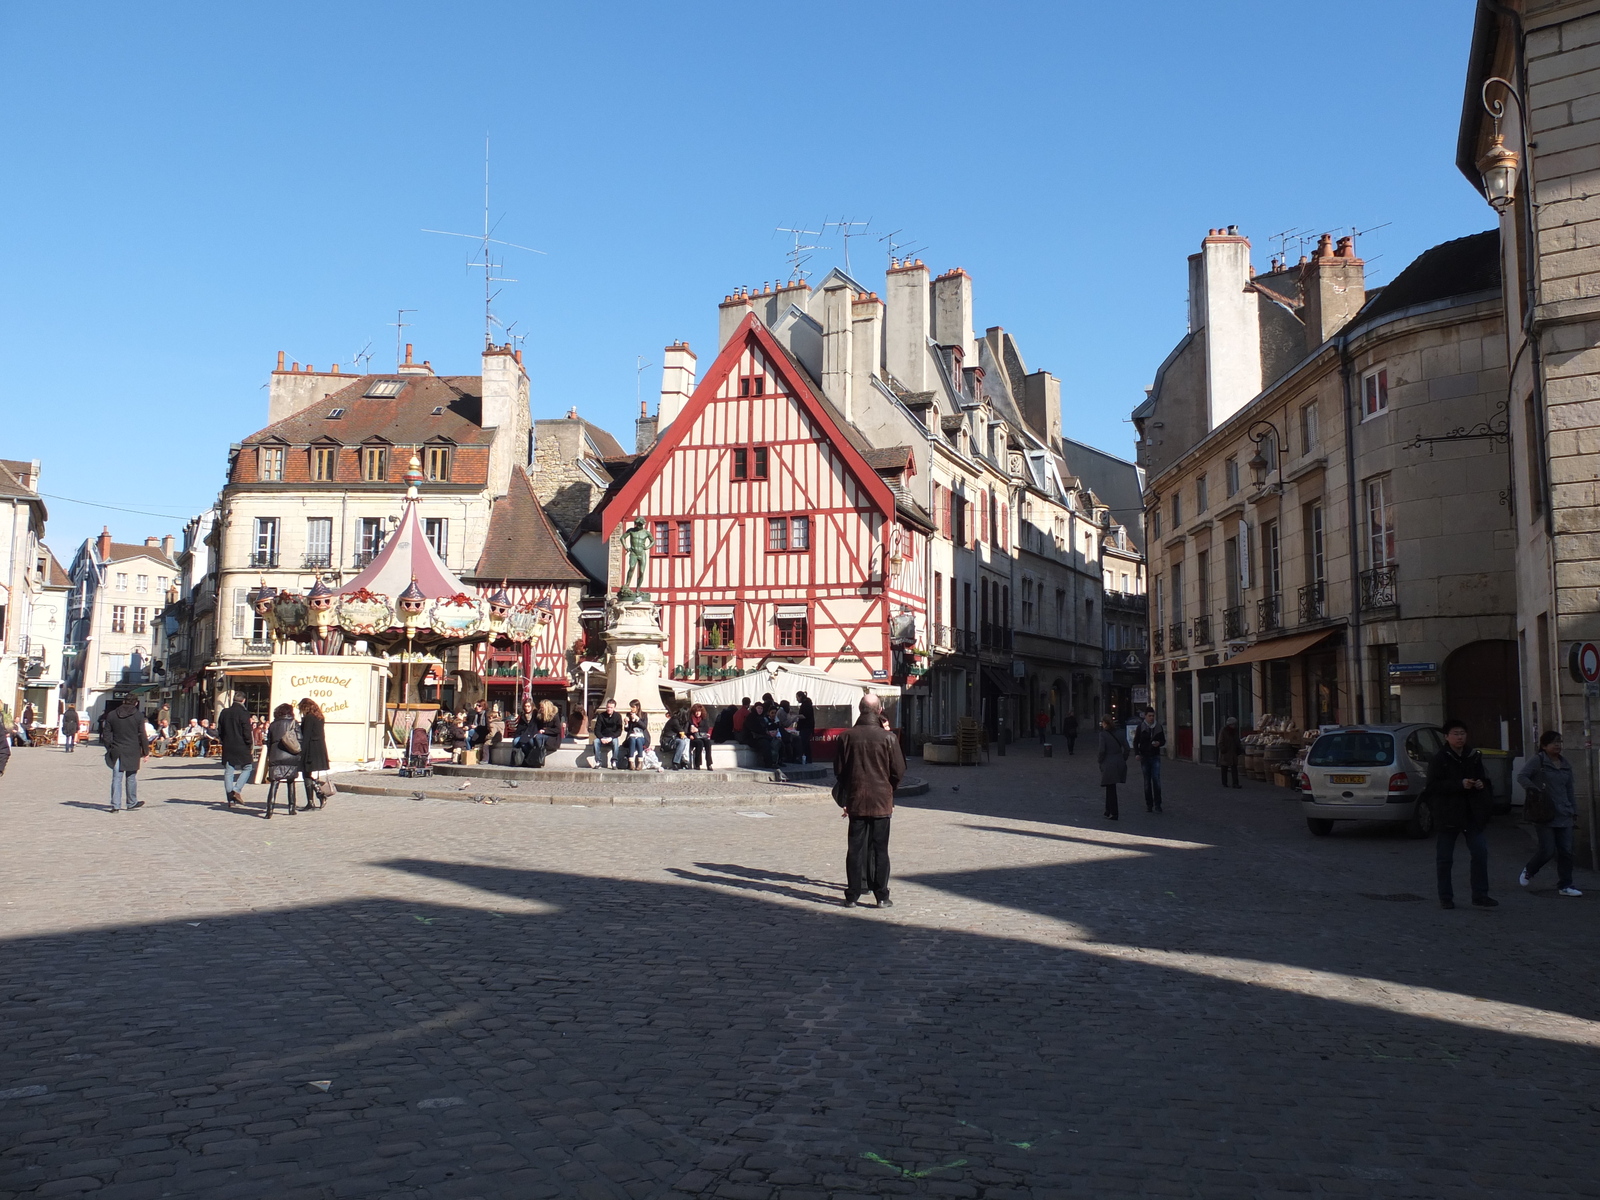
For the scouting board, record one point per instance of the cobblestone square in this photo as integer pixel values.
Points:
(438, 998)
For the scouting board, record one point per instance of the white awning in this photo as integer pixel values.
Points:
(790, 612)
(717, 613)
(784, 680)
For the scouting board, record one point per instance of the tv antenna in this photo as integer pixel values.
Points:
(638, 378)
(1298, 236)
(844, 227)
(799, 254)
(361, 357)
(400, 326)
(899, 250)
(487, 260)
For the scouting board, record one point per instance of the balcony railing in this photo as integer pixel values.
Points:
(996, 637)
(943, 636)
(317, 560)
(1175, 636)
(266, 559)
(1202, 631)
(1234, 625)
(1380, 587)
(1313, 602)
(967, 641)
(259, 647)
(1157, 641)
(1127, 601)
(1269, 613)
(363, 558)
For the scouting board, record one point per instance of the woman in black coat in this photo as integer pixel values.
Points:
(1112, 755)
(283, 762)
(313, 748)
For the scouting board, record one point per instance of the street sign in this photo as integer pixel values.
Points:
(1417, 672)
(1583, 661)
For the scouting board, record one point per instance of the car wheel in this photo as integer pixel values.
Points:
(1321, 826)
(1422, 822)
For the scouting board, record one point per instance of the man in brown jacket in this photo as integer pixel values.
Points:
(869, 766)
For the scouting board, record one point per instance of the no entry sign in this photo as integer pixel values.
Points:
(1584, 662)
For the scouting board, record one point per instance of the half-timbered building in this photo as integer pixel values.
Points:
(778, 532)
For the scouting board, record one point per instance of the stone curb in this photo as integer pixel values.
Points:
(801, 794)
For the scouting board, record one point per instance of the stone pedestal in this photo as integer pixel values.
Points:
(636, 662)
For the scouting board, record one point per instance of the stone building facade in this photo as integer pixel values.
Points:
(1338, 547)
(114, 634)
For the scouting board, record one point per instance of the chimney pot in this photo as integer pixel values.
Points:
(408, 351)
(518, 357)
(335, 368)
(295, 367)
(152, 541)
(1346, 249)
(1325, 246)
(104, 546)
(280, 360)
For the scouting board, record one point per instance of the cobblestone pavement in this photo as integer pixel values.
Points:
(431, 999)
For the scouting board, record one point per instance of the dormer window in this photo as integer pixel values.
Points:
(437, 466)
(375, 463)
(324, 463)
(384, 389)
(271, 463)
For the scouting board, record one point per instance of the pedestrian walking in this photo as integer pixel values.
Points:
(1228, 748)
(29, 717)
(1552, 806)
(283, 755)
(1041, 724)
(69, 730)
(313, 750)
(1069, 731)
(608, 737)
(867, 767)
(238, 749)
(122, 733)
(1460, 794)
(805, 725)
(1148, 739)
(1111, 752)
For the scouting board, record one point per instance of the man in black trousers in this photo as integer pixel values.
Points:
(868, 765)
(238, 748)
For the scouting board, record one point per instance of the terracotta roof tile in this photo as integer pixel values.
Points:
(521, 543)
(120, 550)
(406, 419)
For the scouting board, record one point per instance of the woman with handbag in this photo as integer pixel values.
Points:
(638, 728)
(314, 752)
(283, 755)
(1112, 755)
(1552, 806)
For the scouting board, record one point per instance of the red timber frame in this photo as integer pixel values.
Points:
(841, 579)
(547, 651)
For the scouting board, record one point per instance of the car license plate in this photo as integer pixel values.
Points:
(1347, 778)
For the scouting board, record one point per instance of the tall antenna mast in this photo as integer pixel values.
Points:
(798, 255)
(638, 377)
(400, 326)
(486, 260)
(844, 226)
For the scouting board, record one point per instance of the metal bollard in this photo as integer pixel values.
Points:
(1049, 750)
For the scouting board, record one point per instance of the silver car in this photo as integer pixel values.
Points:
(1370, 773)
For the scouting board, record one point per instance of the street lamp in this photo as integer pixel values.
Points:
(1499, 164)
(1259, 464)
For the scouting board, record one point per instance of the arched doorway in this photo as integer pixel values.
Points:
(1481, 688)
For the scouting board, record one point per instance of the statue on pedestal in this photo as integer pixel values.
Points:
(636, 662)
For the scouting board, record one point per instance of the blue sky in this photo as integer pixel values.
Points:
(192, 188)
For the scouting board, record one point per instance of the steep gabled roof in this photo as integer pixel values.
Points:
(521, 543)
(55, 576)
(125, 550)
(751, 332)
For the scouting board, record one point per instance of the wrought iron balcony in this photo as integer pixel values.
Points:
(267, 559)
(1202, 630)
(1157, 641)
(317, 560)
(1175, 636)
(1380, 587)
(1313, 601)
(943, 636)
(363, 558)
(1127, 601)
(1269, 613)
(1234, 625)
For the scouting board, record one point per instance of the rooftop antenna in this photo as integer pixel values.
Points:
(361, 358)
(400, 326)
(486, 260)
(1354, 232)
(844, 227)
(797, 255)
(899, 250)
(638, 377)
(1283, 239)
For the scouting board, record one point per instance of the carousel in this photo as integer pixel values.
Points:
(362, 651)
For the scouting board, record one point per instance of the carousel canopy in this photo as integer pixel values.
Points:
(784, 680)
(406, 558)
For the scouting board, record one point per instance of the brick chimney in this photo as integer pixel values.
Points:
(104, 546)
(837, 330)
(678, 365)
(167, 545)
(644, 430)
(411, 367)
(1335, 286)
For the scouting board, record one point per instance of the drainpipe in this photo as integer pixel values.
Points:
(1342, 343)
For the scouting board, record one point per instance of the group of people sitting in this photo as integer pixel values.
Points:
(196, 739)
(531, 733)
(778, 731)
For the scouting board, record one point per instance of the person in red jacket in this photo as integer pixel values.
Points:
(868, 766)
